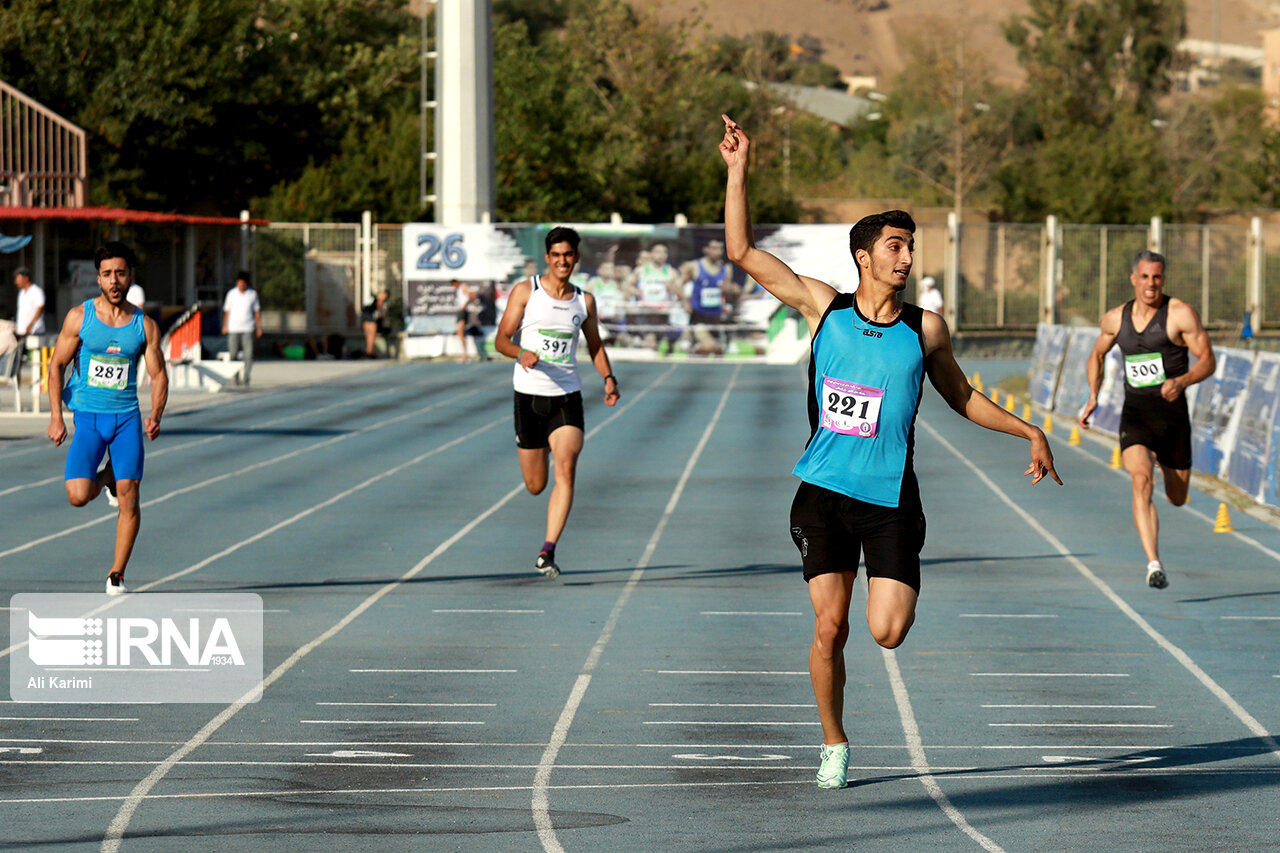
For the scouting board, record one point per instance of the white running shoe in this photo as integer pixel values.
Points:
(833, 772)
(1156, 577)
(109, 489)
(115, 585)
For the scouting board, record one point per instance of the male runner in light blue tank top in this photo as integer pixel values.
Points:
(107, 336)
(870, 354)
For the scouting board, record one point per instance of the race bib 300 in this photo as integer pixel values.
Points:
(1144, 369)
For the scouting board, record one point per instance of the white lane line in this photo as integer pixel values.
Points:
(1082, 725)
(173, 448)
(391, 722)
(728, 723)
(1254, 618)
(224, 610)
(731, 705)
(1107, 773)
(1067, 706)
(730, 672)
(115, 831)
(1049, 674)
(74, 719)
(751, 613)
(1008, 616)
(435, 670)
(1248, 720)
(253, 467)
(488, 611)
(413, 704)
(541, 780)
(919, 763)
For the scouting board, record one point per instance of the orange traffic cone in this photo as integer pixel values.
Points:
(1115, 457)
(1222, 524)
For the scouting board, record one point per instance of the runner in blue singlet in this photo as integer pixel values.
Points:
(107, 337)
(858, 490)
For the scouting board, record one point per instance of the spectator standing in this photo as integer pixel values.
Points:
(929, 299)
(242, 321)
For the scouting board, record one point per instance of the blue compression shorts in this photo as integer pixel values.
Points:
(95, 432)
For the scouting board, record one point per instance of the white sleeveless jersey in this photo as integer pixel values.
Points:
(550, 328)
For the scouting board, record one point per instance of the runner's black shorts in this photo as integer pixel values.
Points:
(831, 530)
(1161, 426)
(537, 417)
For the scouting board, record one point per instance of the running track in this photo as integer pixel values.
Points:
(426, 691)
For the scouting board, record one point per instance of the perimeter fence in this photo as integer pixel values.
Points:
(314, 278)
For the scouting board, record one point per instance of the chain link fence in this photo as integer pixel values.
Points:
(308, 277)
(311, 276)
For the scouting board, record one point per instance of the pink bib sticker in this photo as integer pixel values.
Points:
(849, 408)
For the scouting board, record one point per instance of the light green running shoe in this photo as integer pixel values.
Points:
(834, 770)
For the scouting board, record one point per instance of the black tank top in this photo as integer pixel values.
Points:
(1150, 357)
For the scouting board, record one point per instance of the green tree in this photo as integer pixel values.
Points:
(620, 113)
(159, 87)
(1086, 148)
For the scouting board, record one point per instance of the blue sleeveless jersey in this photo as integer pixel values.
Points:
(106, 372)
(865, 381)
(708, 290)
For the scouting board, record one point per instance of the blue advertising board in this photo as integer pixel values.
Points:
(1046, 363)
(1073, 384)
(1216, 403)
(1248, 462)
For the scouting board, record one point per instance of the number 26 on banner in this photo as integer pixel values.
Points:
(451, 250)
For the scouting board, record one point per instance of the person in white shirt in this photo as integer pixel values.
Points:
(30, 319)
(929, 298)
(136, 295)
(242, 321)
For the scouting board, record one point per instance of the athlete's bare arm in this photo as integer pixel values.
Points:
(807, 295)
(951, 383)
(600, 358)
(517, 300)
(1097, 360)
(63, 352)
(159, 378)
(1186, 330)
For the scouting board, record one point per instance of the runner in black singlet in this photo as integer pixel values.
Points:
(1154, 332)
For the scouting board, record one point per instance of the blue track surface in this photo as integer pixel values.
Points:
(426, 690)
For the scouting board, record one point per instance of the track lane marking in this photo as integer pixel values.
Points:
(1237, 710)
(230, 474)
(541, 812)
(120, 823)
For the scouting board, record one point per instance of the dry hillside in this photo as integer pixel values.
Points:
(872, 37)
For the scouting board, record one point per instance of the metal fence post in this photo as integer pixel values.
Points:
(951, 277)
(1155, 235)
(366, 257)
(1256, 265)
(244, 240)
(1049, 289)
(1204, 272)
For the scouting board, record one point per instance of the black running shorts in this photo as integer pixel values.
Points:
(832, 529)
(537, 417)
(1160, 426)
